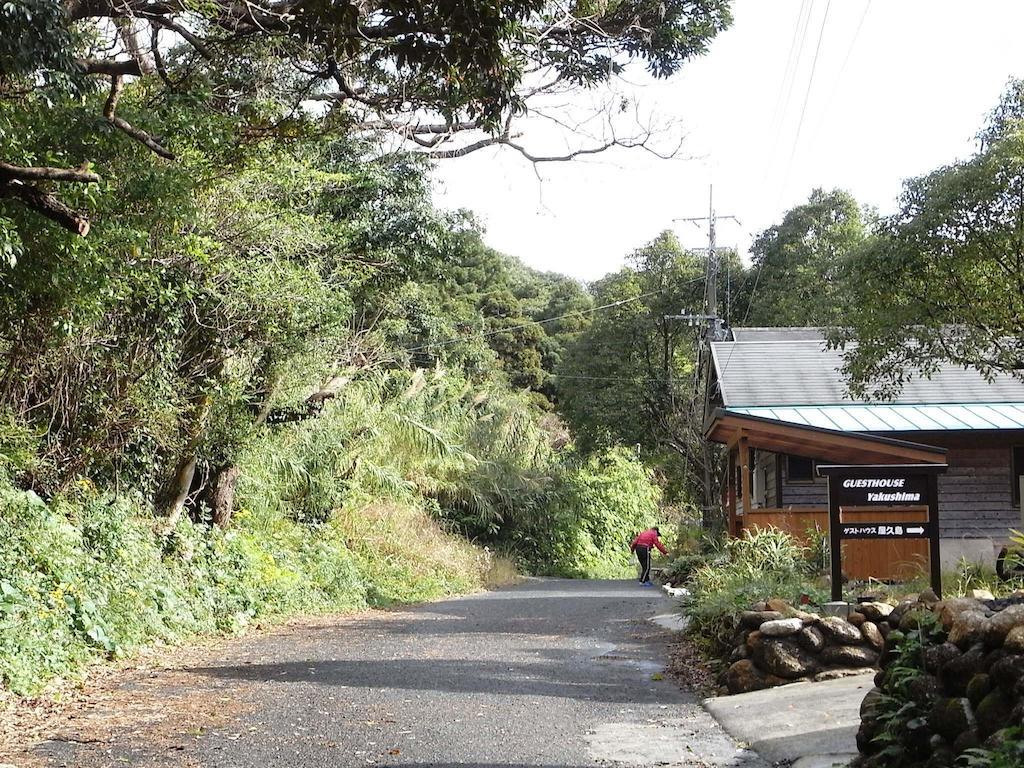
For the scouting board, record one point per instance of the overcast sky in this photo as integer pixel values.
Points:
(900, 97)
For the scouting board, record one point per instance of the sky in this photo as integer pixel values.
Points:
(797, 94)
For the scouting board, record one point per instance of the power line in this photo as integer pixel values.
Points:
(528, 323)
(796, 50)
(842, 70)
(807, 97)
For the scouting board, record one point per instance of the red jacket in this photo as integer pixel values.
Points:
(648, 539)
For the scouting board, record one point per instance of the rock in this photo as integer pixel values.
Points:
(875, 611)
(872, 635)
(924, 689)
(978, 688)
(948, 610)
(739, 652)
(781, 627)
(811, 639)
(1000, 625)
(743, 677)
(754, 619)
(856, 618)
(916, 736)
(879, 678)
(928, 597)
(967, 740)
(869, 706)
(837, 630)
(957, 673)
(885, 628)
(994, 657)
(836, 674)
(754, 641)
(951, 717)
(982, 594)
(784, 658)
(937, 656)
(1006, 672)
(780, 606)
(968, 628)
(849, 656)
(993, 714)
(1014, 642)
(891, 651)
(916, 617)
(897, 613)
(942, 755)
(997, 739)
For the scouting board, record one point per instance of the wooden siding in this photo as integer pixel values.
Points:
(803, 493)
(793, 522)
(975, 494)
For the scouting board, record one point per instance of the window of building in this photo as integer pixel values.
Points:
(799, 469)
(1016, 473)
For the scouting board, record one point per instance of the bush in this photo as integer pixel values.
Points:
(85, 577)
(757, 566)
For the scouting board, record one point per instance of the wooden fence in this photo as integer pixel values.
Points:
(888, 560)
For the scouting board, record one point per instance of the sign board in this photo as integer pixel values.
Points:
(863, 486)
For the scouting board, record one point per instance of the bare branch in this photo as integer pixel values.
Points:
(192, 38)
(116, 86)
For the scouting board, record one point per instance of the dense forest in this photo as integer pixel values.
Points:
(250, 370)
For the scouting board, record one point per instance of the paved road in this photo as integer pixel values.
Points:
(548, 673)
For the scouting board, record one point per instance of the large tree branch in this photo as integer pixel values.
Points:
(46, 173)
(110, 67)
(44, 203)
(116, 86)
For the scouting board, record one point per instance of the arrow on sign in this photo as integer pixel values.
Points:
(915, 530)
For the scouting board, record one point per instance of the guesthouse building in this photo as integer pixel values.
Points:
(780, 403)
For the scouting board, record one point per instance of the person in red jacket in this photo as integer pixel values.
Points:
(642, 545)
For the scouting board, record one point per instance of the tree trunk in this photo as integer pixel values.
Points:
(172, 501)
(219, 494)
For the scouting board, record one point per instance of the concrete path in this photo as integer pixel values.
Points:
(560, 674)
(812, 724)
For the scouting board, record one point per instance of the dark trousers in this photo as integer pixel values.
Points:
(643, 554)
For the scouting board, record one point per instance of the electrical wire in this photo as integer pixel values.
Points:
(796, 52)
(807, 98)
(842, 71)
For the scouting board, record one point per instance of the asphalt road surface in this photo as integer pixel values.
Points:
(553, 673)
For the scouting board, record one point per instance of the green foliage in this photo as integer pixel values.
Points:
(897, 710)
(86, 577)
(797, 263)
(959, 226)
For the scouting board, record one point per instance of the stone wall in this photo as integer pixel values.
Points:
(956, 670)
(777, 644)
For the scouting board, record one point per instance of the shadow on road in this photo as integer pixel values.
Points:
(561, 680)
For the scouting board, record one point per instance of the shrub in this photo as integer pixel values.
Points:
(756, 566)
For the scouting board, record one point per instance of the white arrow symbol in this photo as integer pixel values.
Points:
(915, 530)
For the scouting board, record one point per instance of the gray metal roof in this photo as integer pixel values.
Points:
(783, 367)
(877, 417)
(778, 334)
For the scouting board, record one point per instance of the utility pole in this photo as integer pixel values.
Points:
(714, 330)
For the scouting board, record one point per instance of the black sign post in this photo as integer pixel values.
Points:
(883, 485)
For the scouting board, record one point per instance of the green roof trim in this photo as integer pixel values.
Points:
(895, 417)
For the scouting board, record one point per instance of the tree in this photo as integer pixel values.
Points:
(277, 69)
(797, 263)
(631, 377)
(943, 278)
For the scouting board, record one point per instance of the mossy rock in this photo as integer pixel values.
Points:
(951, 717)
(993, 713)
(979, 687)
